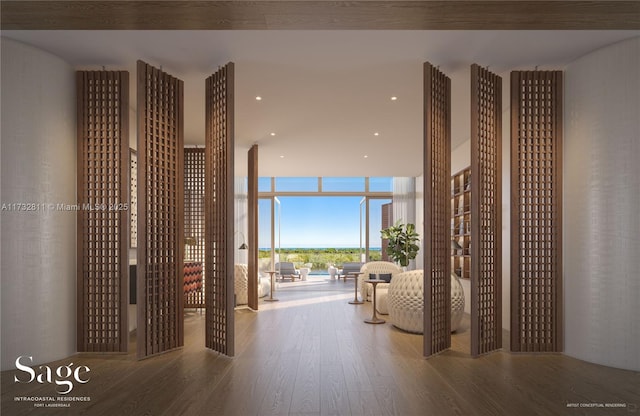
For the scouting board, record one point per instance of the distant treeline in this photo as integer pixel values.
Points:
(320, 258)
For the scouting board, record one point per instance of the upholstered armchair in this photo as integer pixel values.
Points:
(376, 267)
(241, 284)
(406, 307)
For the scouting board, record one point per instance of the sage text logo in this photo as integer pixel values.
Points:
(63, 376)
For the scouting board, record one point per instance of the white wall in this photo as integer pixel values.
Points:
(38, 152)
(601, 206)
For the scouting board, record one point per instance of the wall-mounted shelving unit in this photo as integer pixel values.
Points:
(461, 222)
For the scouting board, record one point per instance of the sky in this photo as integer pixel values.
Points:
(320, 221)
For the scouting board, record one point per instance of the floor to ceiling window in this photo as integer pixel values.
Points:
(317, 222)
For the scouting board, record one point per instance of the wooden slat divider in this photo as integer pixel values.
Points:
(160, 212)
(102, 218)
(194, 218)
(219, 212)
(486, 211)
(536, 211)
(252, 235)
(437, 209)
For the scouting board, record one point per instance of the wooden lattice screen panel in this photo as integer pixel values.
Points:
(437, 209)
(252, 210)
(486, 211)
(160, 211)
(219, 212)
(133, 201)
(102, 244)
(536, 211)
(194, 218)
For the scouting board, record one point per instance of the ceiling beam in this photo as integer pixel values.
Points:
(320, 15)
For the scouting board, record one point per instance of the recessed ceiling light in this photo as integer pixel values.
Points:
(394, 98)
(273, 134)
(366, 156)
(258, 98)
(376, 134)
(281, 156)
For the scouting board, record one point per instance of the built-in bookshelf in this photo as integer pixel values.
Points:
(461, 223)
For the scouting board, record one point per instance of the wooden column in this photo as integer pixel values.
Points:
(219, 212)
(253, 226)
(103, 195)
(437, 209)
(536, 211)
(160, 212)
(486, 211)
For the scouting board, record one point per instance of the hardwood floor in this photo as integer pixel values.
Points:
(312, 354)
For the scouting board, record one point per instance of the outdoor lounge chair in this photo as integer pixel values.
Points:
(347, 268)
(286, 269)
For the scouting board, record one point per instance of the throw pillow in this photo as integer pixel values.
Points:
(385, 276)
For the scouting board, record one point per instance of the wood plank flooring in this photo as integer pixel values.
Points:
(312, 354)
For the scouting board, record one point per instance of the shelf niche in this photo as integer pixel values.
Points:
(461, 222)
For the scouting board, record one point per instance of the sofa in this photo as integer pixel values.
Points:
(366, 289)
(241, 284)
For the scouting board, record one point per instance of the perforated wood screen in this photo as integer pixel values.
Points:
(160, 211)
(437, 209)
(133, 201)
(536, 211)
(102, 244)
(252, 236)
(219, 194)
(194, 218)
(486, 211)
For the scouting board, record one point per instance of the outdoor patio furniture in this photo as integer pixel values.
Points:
(349, 267)
(286, 269)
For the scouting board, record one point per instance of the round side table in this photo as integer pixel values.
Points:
(355, 300)
(374, 318)
(271, 298)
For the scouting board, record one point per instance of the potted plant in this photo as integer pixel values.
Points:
(403, 240)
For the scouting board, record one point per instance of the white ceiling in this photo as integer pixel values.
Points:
(325, 93)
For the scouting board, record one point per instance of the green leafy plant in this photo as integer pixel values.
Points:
(403, 240)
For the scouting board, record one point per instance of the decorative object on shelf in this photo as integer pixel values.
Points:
(403, 240)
